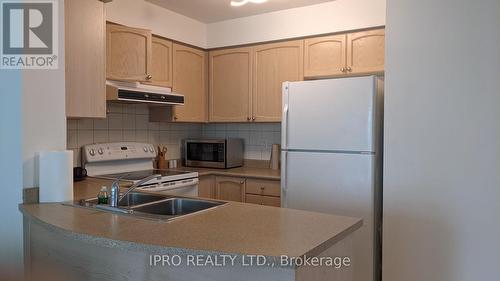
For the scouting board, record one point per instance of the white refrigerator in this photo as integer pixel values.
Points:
(332, 157)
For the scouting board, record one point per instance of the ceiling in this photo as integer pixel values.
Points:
(209, 11)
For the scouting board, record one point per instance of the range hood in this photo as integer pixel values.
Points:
(135, 92)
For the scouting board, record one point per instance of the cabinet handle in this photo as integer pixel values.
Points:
(175, 118)
(248, 118)
(262, 188)
(253, 118)
(149, 77)
(342, 69)
(349, 69)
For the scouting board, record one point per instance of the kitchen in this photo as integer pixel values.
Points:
(240, 107)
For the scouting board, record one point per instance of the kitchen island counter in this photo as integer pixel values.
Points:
(234, 228)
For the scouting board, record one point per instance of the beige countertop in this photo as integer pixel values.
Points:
(235, 228)
(246, 172)
(90, 187)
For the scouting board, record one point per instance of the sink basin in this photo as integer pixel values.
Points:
(134, 198)
(150, 206)
(176, 207)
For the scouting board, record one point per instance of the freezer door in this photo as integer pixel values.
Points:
(340, 184)
(333, 114)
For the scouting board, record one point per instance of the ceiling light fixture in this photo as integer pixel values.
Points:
(244, 2)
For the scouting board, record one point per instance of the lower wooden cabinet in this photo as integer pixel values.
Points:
(239, 189)
(206, 187)
(263, 187)
(263, 192)
(230, 188)
(263, 200)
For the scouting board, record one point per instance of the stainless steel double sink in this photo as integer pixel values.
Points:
(151, 206)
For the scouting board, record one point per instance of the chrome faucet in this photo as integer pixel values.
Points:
(115, 197)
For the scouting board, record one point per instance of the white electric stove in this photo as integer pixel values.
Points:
(131, 162)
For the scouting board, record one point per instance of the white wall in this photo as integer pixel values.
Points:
(141, 14)
(32, 118)
(44, 111)
(442, 141)
(334, 16)
(11, 173)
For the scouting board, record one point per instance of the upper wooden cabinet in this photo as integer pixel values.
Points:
(274, 64)
(128, 52)
(85, 50)
(344, 54)
(365, 51)
(325, 56)
(230, 189)
(161, 70)
(190, 79)
(230, 85)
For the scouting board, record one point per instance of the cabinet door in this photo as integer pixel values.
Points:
(263, 200)
(230, 85)
(206, 187)
(161, 65)
(263, 187)
(365, 51)
(325, 56)
(274, 64)
(190, 79)
(230, 188)
(85, 59)
(128, 53)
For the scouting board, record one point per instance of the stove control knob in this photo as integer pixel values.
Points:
(92, 152)
(151, 149)
(100, 151)
(145, 149)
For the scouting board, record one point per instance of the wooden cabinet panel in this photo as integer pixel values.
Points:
(190, 79)
(365, 51)
(85, 51)
(161, 63)
(206, 187)
(325, 56)
(230, 85)
(274, 64)
(263, 200)
(230, 188)
(128, 53)
(263, 187)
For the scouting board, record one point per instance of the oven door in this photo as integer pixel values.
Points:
(207, 154)
(186, 187)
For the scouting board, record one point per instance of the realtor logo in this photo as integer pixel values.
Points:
(29, 34)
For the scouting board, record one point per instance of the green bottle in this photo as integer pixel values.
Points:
(102, 197)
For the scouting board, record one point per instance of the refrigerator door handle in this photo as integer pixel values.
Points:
(284, 137)
(284, 117)
(284, 164)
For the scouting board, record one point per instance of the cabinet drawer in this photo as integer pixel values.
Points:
(263, 200)
(263, 187)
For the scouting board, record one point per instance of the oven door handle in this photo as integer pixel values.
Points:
(190, 183)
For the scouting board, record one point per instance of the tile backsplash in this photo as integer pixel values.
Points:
(130, 122)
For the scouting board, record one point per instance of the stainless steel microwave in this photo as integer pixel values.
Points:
(216, 153)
